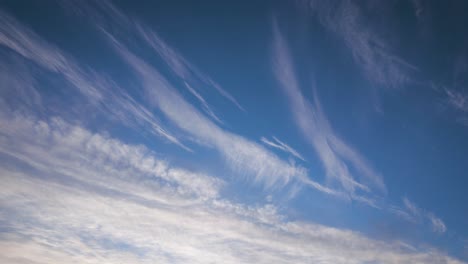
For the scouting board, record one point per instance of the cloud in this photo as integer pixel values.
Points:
(455, 92)
(71, 147)
(457, 100)
(336, 155)
(71, 195)
(282, 146)
(245, 157)
(106, 16)
(413, 213)
(242, 155)
(438, 225)
(179, 65)
(412, 208)
(346, 20)
(418, 6)
(205, 105)
(99, 91)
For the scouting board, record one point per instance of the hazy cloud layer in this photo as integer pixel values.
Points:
(74, 190)
(335, 154)
(278, 144)
(369, 49)
(78, 202)
(98, 91)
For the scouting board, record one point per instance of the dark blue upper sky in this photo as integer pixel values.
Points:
(234, 132)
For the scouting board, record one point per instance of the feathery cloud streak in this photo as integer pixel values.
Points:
(282, 146)
(419, 214)
(243, 155)
(95, 212)
(102, 93)
(334, 153)
(106, 16)
(345, 19)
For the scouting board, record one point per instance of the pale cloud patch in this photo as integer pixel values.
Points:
(98, 90)
(438, 225)
(205, 105)
(336, 155)
(413, 213)
(457, 100)
(278, 144)
(345, 19)
(412, 208)
(242, 155)
(75, 196)
(106, 15)
(179, 65)
(74, 150)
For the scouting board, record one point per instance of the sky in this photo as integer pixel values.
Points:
(256, 131)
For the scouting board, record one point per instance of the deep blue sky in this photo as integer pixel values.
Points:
(234, 132)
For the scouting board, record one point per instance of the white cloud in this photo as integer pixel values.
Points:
(73, 149)
(282, 146)
(242, 155)
(412, 213)
(335, 154)
(179, 65)
(412, 208)
(98, 91)
(438, 225)
(371, 53)
(457, 100)
(106, 15)
(205, 105)
(245, 157)
(71, 197)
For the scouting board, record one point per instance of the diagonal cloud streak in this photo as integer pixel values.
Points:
(105, 203)
(334, 153)
(242, 155)
(346, 20)
(282, 146)
(102, 93)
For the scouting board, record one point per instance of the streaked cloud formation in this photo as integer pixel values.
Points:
(335, 154)
(276, 143)
(147, 168)
(103, 94)
(417, 214)
(346, 19)
(109, 202)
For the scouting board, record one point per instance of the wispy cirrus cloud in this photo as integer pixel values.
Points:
(73, 150)
(276, 143)
(242, 155)
(205, 105)
(179, 65)
(457, 100)
(106, 15)
(245, 157)
(437, 224)
(337, 156)
(346, 20)
(71, 195)
(413, 213)
(98, 91)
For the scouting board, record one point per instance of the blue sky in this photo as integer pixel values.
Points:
(233, 132)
